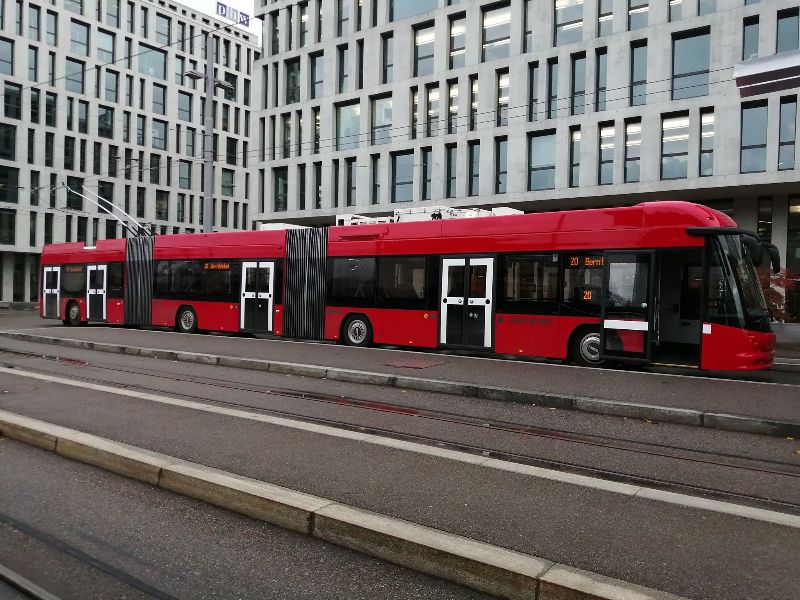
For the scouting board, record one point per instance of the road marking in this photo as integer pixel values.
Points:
(533, 363)
(757, 514)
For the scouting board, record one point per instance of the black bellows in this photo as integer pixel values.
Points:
(304, 293)
(139, 280)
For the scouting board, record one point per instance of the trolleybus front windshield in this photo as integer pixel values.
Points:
(734, 294)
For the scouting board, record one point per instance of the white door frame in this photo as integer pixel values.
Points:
(95, 292)
(486, 301)
(446, 300)
(258, 295)
(49, 291)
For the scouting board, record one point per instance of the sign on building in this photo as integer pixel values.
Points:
(232, 14)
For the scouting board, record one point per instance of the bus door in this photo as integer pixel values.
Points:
(51, 291)
(257, 297)
(627, 306)
(96, 292)
(467, 305)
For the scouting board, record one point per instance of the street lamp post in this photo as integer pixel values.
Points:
(208, 131)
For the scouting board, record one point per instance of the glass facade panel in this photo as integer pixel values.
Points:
(568, 21)
(423, 51)
(605, 174)
(403, 177)
(690, 65)
(787, 34)
(787, 133)
(381, 120)
(633, 150)
(542, 161)
(674, 146)
(750, 38)
(348, 126)
(457, 42)
(496, 33)
(638, 89)
(754, 137)
(706, 143)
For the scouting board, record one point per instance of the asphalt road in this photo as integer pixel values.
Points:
(691, 552)
(80, 532)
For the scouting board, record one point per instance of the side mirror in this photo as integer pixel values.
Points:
(754, 248)
(774, 257)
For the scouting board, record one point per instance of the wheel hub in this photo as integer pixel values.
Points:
(357, 331)
(590, 348)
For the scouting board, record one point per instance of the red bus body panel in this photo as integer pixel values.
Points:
(393, 327)
(734, 349)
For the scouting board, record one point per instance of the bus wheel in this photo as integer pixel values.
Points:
(73, 315)
(357, 331)
(186, 321)
(585, 350)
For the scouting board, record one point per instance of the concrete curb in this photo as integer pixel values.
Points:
(651, 412)
(484, 567)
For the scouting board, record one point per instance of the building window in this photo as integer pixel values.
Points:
(350, 181)
(402, 9)
(152, 62)
(568, 21)
(706, 7)
(317, 128)
(432, 118)
(750, 38)
(674, 146)
(348, 126)
(382, 120)
(51, 26)
(8, 218)
(286, 140)
(533, 90)
(105, 122)
(423, 50)
(375, 174)
(403, 176)
(578, 95)
(387, 56)
(528, 19)
(605, 175)
(605, 17)
(787, 133)
(292, 81)
(706, 142)
(501, 110)
(675, 10)
(74, 76)
(12, 101)
(500, 165)
(317, 185)
(6, 57)
(452, 107)
(574, 156)
(787, 34)
(496, 33)
(458, 42)
(638, 89)
(159, 99)
(690, 64)
(8, 141)
(185, 174)
(474, 168)
(344, 68)
(317, 75)
(79, 38)
(427, 174)
(754, 137)
(280, 177)
(451, 164)
(342, 17)
(105, 46)
(542, 161)
(552, 88)
(184, 106)
(637, 14)
(633, 149)
(33, 64)
(473, 102)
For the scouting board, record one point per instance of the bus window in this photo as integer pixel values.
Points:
(185, 277)
(219, 282)
(161, 283)
(73, 281)
(691, 292)
(528, 284)
(401, 282)
(352, 282)
(115, 280)
(583, 283)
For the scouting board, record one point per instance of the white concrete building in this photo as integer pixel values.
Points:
(534, 104)
(95, 94)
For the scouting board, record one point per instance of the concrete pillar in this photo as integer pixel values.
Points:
(7, 276)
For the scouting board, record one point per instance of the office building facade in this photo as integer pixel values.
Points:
(371, 105)
(96, 97)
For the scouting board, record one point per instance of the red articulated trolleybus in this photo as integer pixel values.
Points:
(661, 283)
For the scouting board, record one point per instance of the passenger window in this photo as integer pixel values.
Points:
(528, 283)
(353, 282)
(401, 282)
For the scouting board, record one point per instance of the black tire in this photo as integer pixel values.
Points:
(585, 348)
(186, 320)
(357, 331)
(73, 316)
